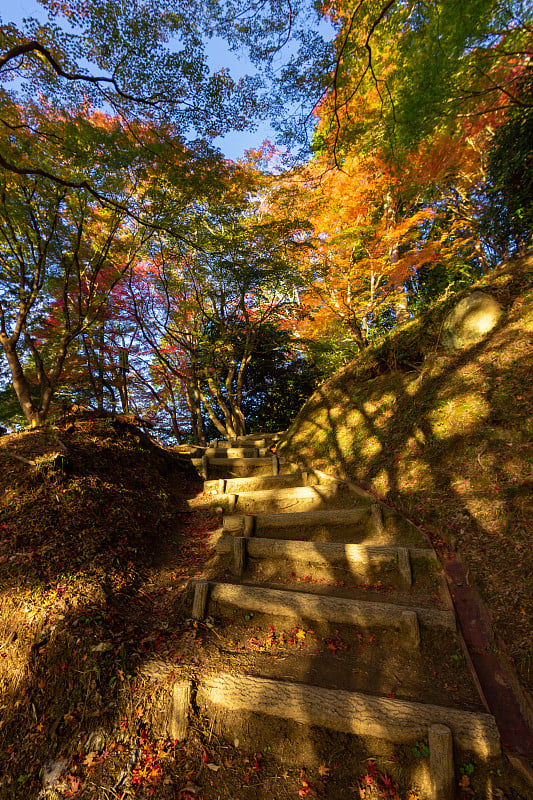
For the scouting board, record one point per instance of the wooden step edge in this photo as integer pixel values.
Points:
(397, 721)
(233, 462)
(232, 484)
(299, 519)
(323, 552)
(232, 452)
(251, 439)
(279, 493)
(325, 608)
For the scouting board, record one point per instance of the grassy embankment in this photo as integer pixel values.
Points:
(446, 437)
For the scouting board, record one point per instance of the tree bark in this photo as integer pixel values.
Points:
(400, 296)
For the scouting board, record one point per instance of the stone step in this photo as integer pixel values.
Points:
(257, 483)
(325, 554)
(259, 461)
(300, 519)
(282, 500)
(397, 721)
(231, 452)
(259, 440)
(316, 607)
(236, 467)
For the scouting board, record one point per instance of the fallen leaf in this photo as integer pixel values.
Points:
(89, 759)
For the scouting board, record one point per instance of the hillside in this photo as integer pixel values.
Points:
(446, 438)
(96, 547)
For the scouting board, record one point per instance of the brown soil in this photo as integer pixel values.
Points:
(338, 657)
(95, 563)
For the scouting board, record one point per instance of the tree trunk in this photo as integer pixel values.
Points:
(20, 384)
(400, 295)
(480, 252)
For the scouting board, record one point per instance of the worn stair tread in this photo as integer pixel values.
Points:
(329, 516)
(247, 441)
(257, 482)
(232, 452)
(323, 553)
(340, 610)
(259, 461)
(395, 720)
(376, 661)
(318, 490)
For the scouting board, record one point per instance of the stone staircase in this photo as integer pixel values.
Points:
(372, 652)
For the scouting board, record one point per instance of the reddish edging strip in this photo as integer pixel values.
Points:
(515, 732)
(499, 684)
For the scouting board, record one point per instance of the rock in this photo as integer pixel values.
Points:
(103, 647)
(96, 741)
(470, 321)
(52, 771)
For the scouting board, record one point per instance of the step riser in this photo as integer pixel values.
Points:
(245, 504)
(239, 467)
(260, 483)
(297, 605)
(281, 500)
(324, 553)
(331, 561)
(396, 721)
(233, 452)
(302, 521)
(229, 463)
(247, 441)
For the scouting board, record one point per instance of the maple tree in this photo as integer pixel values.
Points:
(398, 183)
(386, 70)
(379, 223)
(201, 310)
(405, 99)
(145, 63)
(59, 259)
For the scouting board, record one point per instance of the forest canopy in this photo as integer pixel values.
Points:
(403, 170)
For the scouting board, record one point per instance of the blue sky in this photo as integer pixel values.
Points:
(233, 144)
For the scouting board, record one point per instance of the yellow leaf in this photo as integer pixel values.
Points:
(323, 771)
(300, 634)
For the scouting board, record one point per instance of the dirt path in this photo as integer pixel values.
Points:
(335, 632)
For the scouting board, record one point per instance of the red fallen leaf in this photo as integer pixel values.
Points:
(205, 757)
(75, 785)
